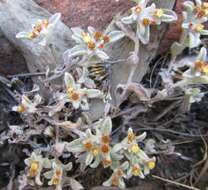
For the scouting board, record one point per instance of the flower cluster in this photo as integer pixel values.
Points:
(145, 16)
(195, 74)
(41, 30)
(126, 158)
(55, 174)
(36, 163)
(92, 42)
(28, 106)
(95, 148)
(74, 94)
(194, 16)
(77, 95)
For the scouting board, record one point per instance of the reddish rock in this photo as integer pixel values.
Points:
(174, 32)
(11, 60)
(97, 13)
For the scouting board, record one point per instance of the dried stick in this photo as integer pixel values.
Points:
(175, 183)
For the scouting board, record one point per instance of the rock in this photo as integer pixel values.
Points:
(174, 31)
(12, 62)
(97, 13)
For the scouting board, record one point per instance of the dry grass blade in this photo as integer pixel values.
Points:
(175, 183)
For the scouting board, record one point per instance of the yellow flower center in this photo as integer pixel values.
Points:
(136, 170)
(86, 37)
(146, 22)
(151, 165)
(131, 137)
(98, 35)
(33, 169)
(95, 151)
(21, 109)
(138, 9)
(40, 26)
(119, 173)
(199, 65)
(159, 13)
(205, 69)
(105, 139)
(205, 8)
(134, 148)
(88, 145)
(57, 177)
(198, 27)
(105, 148)
(205, 5)
(91, 45)
(73, 94)
(201, 13)
(56, 180)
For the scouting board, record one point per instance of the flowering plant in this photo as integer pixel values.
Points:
(76, 95)
(28, 106)
(62, 119)
(41, 30)
(145, 16)
(92, 42)
(126, 158)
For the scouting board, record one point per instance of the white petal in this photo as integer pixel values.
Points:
(141, 137)
(169, 16)
(194, 40)
(76, 104)
(202, 54)
(91, 30)
(125, 165)
(121, 184)
(204, 32)
(108, 183)
(96, 162)
(76, 51)
(101, 54)
(23, 35)
(77, 38)
(128, 19)
(89, 159)
(115, 35)
(69, 80)
(93, 93)
(75, 146)
(55, 18)
(107, 126)
(143, 33)
(77, 31)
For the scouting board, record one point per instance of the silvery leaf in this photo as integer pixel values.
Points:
(101, 54)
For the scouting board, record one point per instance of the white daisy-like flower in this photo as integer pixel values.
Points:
(56, 174)
(35, 164)
(194, 17)
(40, 30)
(77, 95)
(118, 176)
(145, 16)
(92, 42)
(28, 106)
